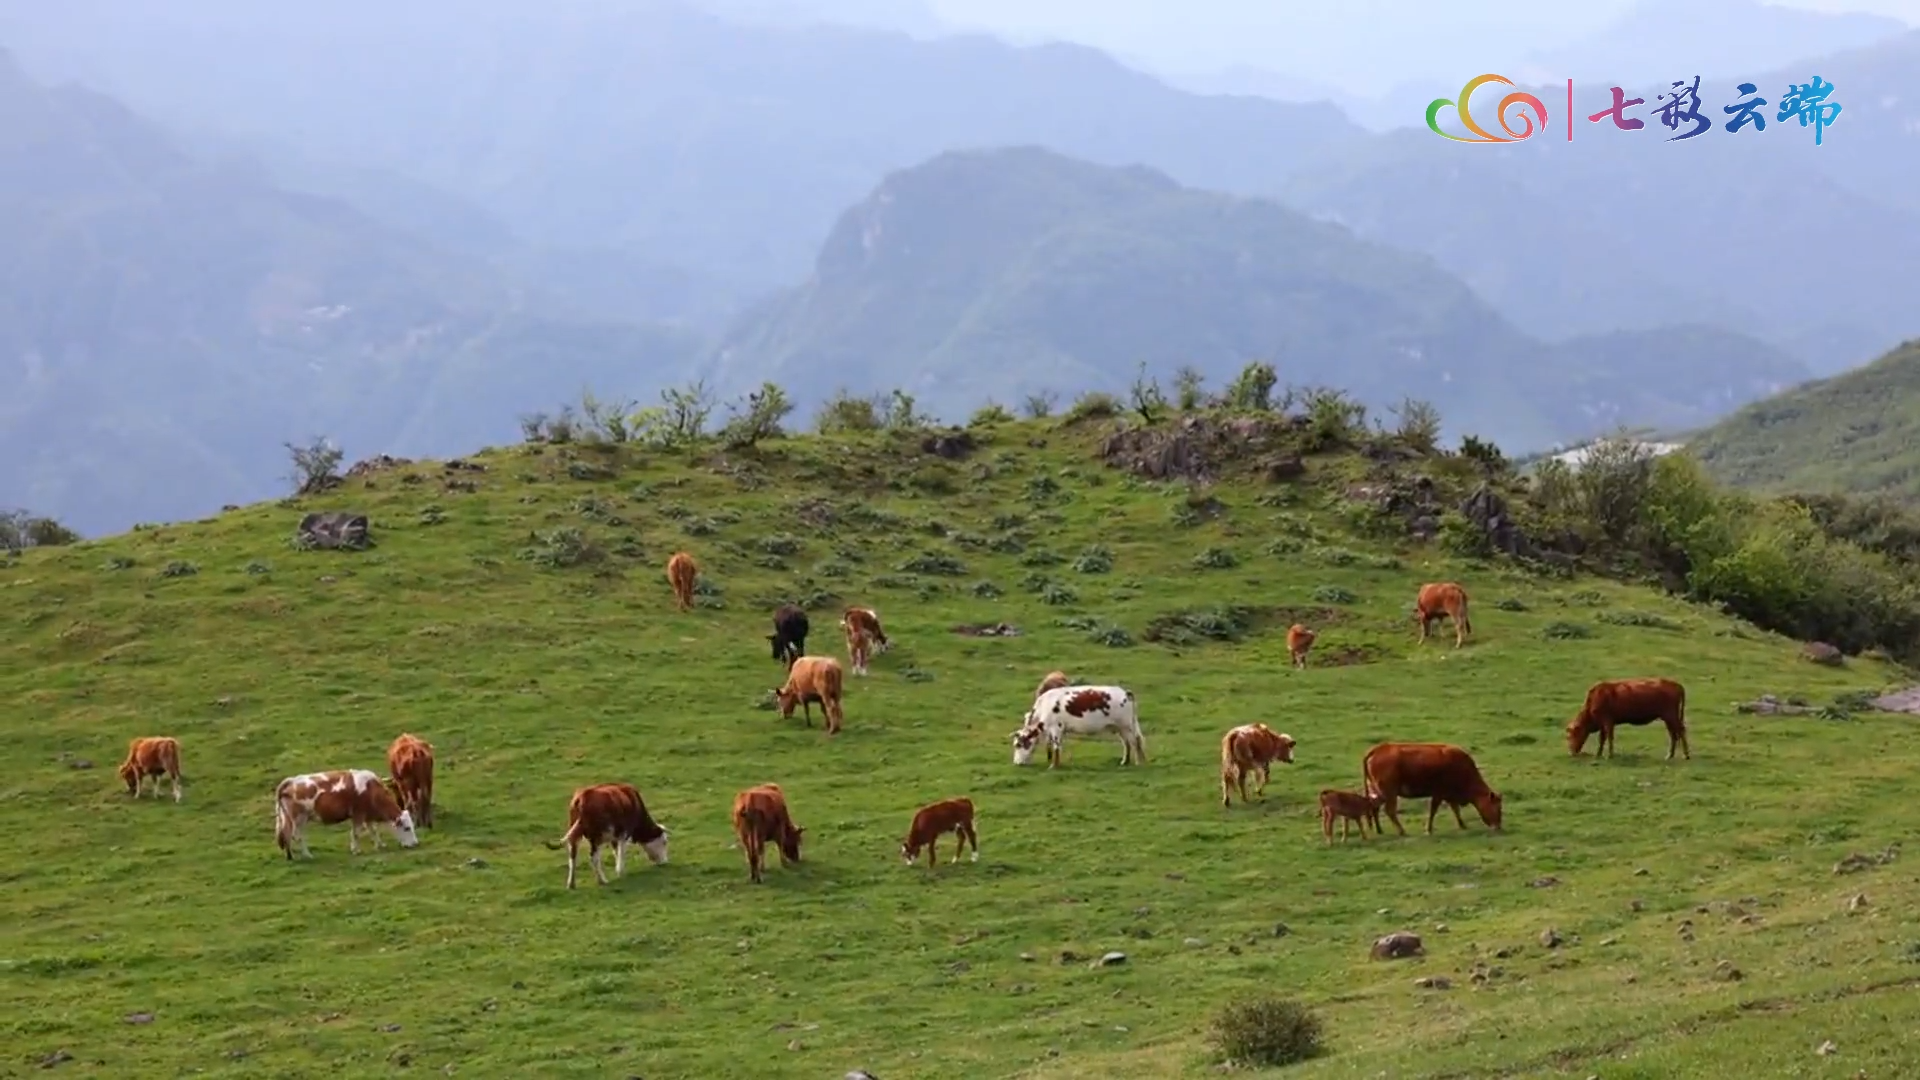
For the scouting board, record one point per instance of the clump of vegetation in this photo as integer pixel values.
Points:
(1509, 604)
(756, 417)
(989, 415)
(933, 562)
(1093, 405)
(20, 530)
(780, 544)
(1057, 594)
(1042, 557)
(1209, 624)
(1266, 1032)
(118, 562)
(316, 466)
(179, 568)
(985, 590)
(256, 567)
(1097, 559)
(1042, 489)
(1334, 594)
(1039, 406)
(1215, 558)
(590, 471)
(560, 548)
(1566, 631)
(1638, 618)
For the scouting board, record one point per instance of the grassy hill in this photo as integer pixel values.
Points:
(1856, 433)
(518, 619)
(1010, 272)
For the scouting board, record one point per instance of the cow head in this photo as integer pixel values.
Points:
(131, 775)
(1577, 735)
(783, 650)
(790, 843)
(403, 829)
(1488, 803)
(1286, 748)
(1024, 741)
(656, 848)
(909, 851)
(786, 701)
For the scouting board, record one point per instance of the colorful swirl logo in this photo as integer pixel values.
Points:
(1517, 98)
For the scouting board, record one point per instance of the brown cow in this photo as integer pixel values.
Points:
(609, 814)
(936, 820)
(681, 572)
(1299, 640)
(1444, 773)
(1443, 600)
(355, 796)
(760, 815)
(152, 757)
(410, 762)
(1633, 702)
(1246, 748)
(862, 627)
(811, 679)
(1054, 681)
(1352, 808)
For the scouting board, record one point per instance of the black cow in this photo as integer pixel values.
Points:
(789, 635)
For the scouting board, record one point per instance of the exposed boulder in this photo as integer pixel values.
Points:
(337, 529)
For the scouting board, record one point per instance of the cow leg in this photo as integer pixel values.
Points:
(1392, 807)
(176, 787)
(620, 857)
(1459, 632)
(1266, 775)
(1425, 625)
(973, 838)
(1433, 811)
(573, 858)
(1240, 775)
(1684, 748)
(593, 857)
(1455, 807)
(353, 836)
(1326, 825)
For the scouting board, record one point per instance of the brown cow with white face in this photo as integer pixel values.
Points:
(610, 814)
(1248, 748)
(355, 796)
(152, 758)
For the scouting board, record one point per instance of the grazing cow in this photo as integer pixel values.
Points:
(1054, 681)
(789, 635)
(1633, 702)
(1299, 640)
(1080, 710)
(609, 814)
(1443, 600)
(935, 821)
(811, 679)
(760, 815)
(410, 761)
(355, 796)
(862, 627)
(1352, 808)
(1443, 773)
(152, 757)
(681, 572)
(1246, 748)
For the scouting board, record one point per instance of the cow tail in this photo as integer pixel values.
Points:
(1367, 786)
(1466, 621)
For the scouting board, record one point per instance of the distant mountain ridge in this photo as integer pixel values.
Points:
(996, 274)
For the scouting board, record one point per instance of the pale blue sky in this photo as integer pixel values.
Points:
(1360, 46)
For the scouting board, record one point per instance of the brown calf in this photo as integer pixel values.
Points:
(1054, 681)
(1443, 773)
(152, 757)
(760, 815)
(410, 763)
(1632, 702)
(1443, 600)
(1352, 808)
(681, 572)
(811, 679)
(609, 814)
(936, 820)
(862, 627)
(1246, 748)
(1299, 640)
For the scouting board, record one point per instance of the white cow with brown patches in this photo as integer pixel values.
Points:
(355, 796)
(1081, 710)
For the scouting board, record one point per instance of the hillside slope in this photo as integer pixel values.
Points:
(474, 623)
(166, 323)
(1007, 272)
(1855, 433)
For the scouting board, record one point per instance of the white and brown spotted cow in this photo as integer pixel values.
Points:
(1080, 710)
(355, 796)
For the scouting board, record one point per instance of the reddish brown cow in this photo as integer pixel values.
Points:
(811, 679)
(1054, 681)
(355, 796)
(410, 763)
(1299, 640)
(1633, 702)
(152, 757)
(1443, 773)
(1444, 600)
(1351, 808)
(681, 572)
(936, 820)
(760, 815)
(610, 814)
(1245, 749)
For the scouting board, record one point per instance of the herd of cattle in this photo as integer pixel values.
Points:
(615, 815)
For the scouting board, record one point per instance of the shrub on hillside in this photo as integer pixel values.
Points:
(316, 466)
(989, 414)
(20, 530)
(1266, 1032)
(844, 413)
(1252, 389)
(1039, 406)
(756, 417)
(1093, 405)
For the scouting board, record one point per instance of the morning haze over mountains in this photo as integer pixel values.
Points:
(228, 225)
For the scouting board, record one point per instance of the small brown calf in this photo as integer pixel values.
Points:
(936, 820)
(152, 757)
(1351, 807)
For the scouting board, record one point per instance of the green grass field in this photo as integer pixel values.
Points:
(466, 955)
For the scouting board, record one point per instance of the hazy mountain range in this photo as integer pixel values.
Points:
(259, 225)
